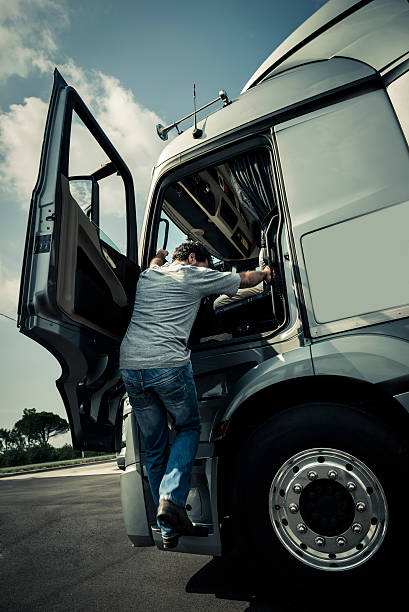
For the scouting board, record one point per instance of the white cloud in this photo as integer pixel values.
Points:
(9, 288)
(21, 134)
(130, 126)
(27, 35)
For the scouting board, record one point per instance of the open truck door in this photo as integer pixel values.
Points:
(77, 287)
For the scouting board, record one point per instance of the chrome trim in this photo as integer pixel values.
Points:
(364, 320)
(403, 399)
(356, 538)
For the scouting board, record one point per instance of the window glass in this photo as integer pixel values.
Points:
(87, 156)
(112, 210)
(81, 191)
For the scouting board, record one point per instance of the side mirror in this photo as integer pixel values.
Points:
(165, 238)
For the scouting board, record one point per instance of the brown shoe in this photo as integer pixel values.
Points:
(177, 517)
(170, 542)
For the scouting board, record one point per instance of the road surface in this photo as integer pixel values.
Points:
(63, 547)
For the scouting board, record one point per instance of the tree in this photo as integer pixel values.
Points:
(39, 427)
(6, 438)
(16, 439)
(12, 447)
(11, 438)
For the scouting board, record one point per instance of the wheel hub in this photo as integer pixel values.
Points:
(328, 509)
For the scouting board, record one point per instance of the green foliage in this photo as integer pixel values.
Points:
(39, 427)
(13, 456)
(17, 439)
(40, 453)
(6, 439)
(66, 452)
(28, 441)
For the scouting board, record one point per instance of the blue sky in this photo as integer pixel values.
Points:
(127, 59)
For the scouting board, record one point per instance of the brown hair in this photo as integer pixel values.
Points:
(183, 251)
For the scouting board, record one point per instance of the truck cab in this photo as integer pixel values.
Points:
(303, 386)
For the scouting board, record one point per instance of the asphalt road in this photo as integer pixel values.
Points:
(63, 547)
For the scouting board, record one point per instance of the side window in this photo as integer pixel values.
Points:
(96, 186)
(399, 94)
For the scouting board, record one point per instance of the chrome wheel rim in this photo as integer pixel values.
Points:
(328, 509)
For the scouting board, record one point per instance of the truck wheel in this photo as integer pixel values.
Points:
(322, 487)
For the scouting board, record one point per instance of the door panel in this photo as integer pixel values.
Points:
(77, 289)
(86, 277)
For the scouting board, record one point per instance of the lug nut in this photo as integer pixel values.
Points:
(351, 486)
(320, 541)
(297, 488)
(360, 507)
(356, 527)
(312, 475)
(293, 508)
(341, 541)
(301, 528)
(332, 474)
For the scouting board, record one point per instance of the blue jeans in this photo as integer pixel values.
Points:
(154, 394)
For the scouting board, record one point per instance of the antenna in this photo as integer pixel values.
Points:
(196, 131)
(162, 131)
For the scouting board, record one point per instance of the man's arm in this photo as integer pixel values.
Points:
(159, 258)
(254, 277)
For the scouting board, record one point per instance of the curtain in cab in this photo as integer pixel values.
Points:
(252, 179)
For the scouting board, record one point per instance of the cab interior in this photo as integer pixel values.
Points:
(232, 209)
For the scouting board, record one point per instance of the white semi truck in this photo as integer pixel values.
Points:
(303, 387)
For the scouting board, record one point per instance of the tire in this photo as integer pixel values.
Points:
(322, 448)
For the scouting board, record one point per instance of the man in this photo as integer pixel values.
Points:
(156, 369)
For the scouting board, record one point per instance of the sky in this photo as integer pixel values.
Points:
(134, 63)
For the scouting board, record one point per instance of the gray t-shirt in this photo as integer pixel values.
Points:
(166, 304)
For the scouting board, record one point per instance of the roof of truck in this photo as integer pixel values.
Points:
(343, 28)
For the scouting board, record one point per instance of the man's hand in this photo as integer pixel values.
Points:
(159, 258)
(162, 253)
(268, 275)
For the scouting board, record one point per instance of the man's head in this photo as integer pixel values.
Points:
(193, 254)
